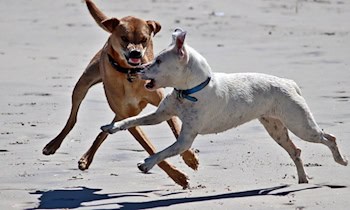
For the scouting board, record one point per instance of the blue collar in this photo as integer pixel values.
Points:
(186, 93)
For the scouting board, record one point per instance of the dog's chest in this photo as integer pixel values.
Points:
(211, 115)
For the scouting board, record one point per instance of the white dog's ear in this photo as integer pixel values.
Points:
(176, 32)
(180, 42)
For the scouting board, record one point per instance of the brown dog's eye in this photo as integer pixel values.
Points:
(144, 40)
(125, 39)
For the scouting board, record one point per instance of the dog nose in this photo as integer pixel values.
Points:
(135, 54)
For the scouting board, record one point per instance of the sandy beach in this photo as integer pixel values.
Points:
(45, 46)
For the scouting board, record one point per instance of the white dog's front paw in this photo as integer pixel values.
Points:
(106, 128)
(145, 166)
(111, 128)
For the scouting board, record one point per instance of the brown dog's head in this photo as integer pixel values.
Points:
(130, 37)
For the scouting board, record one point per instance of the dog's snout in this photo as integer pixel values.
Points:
(135, 54)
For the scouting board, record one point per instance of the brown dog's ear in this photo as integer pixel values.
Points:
(110, 23)
(155, 26)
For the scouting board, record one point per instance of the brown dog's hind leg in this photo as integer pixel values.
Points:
(179, 177)
(90, 77)
(188, 156)
(87, 158)
(279, 133)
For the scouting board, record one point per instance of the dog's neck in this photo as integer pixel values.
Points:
(130, 72)
(197, 70)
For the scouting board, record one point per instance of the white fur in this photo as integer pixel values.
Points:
(228, 101)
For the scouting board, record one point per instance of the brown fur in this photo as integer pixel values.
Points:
(125, 98)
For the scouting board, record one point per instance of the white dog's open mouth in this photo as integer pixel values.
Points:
(151, 83)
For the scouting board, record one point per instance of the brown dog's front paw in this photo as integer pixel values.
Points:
(190, 159)
(50, 148)
(83, 164)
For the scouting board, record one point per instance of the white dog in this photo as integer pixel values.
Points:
(208, 102)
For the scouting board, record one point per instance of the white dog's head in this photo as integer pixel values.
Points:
(167, 69)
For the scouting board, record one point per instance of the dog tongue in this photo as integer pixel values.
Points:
(135, 60)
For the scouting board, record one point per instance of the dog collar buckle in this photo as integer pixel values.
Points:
(130, 76)
(129, 72)
(181, 94)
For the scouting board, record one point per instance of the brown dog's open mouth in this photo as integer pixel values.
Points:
(150, 84)
(134, 61)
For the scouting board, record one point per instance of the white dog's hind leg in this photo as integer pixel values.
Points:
(318, 136)
(299, 120)
(183, 143)
(279, 133)
(330, 141)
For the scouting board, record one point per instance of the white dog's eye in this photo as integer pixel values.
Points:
(158, 61)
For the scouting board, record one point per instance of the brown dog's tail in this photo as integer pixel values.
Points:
(96, 14)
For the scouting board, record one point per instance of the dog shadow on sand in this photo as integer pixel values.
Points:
(81, 196)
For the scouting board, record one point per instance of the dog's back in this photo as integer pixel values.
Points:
(234, 99)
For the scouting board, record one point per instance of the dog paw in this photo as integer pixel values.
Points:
(48, 151)
(111, 128)
(106, 128)
(191, 159)
(50, 148)
(303, 180)
(343, 161)
(144, 166)
(83, 164)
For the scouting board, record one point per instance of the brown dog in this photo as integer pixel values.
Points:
(129, 44)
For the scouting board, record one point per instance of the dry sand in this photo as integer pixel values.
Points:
(45, 46)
